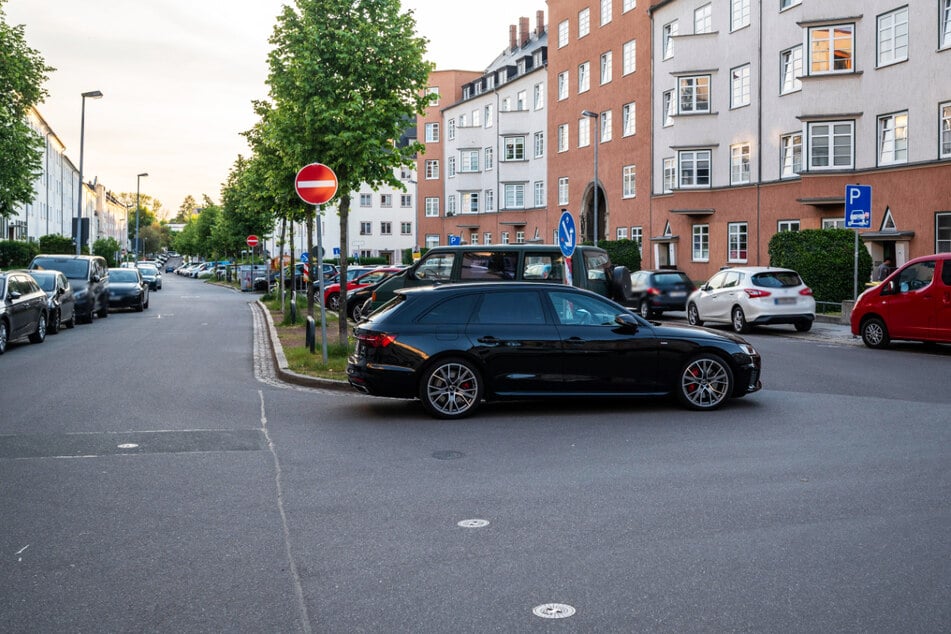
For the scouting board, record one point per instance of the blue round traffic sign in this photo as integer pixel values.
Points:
(567, 236)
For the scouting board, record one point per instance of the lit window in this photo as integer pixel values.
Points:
(694, 168)
(893, 37)
(893, 138)
(830, 145)
(740, 86)
(831, 48)
(694, 94)
(740, 164)
(790, 70)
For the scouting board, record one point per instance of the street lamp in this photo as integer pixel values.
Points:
(138, 185)
(597, 141)
(92, 94)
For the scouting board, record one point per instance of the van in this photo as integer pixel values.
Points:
(913, 303)
(88, 275)
(590, 268)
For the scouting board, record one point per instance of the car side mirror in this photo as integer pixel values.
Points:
(627, 321)
(888, 288)
(412, 275)
(15, 295)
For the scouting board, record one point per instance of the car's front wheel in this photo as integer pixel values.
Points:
(705, 382)
(645, 309)
(739, 320)
(875, 333)
(333, 302)
(693, 315)
(803, 325)
(451, 389)
(4, 333)
(39, 335)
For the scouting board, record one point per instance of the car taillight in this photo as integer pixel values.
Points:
(755, 293)
(376, 339)
(806, 291)
(653, 291)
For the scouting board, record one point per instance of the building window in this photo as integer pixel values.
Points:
(432, 133)
(563, 137)
(584, 132)
(790, 70)
(470, 202)
(668, 106)
(703, 19)
(740, 164)
(433, 92)
(473, 238)
(506, 105)
(519, 237)
(539, 193)
(538, 96)
(584, 22)
(736, 242)
(366, 200)
(584, 77)
(450, 205)
(489, 115)
(487, 237)
(514, 196)
(469, 160)
(701, 243)
(539, 144)
(406, 201)
(628, 5)
(622, 233)
(477, 118)
(562, 33)
(893, 37)
(629, 182)
(785, 4)
(740, 86)
(514, 148)
(945, 131)
(386, 228)
(366, 228)
(629, 57)
(945, 38)
(942, 233)
(694, 94)
(563, 190)
(628, 119)
(893, 138)
(386, 200)
(562, 86)
(831, 49)
(739, 14)
(490, 200)
(451, 167)
(406, 228)
(833, 223)
(521, 101)
(787, 225)
(791, 155)
(432, 169)
(606, 11)
(830, 145)
(607, 121)
(606, 69)
(505, 237)
(694, 168)
(489, 158)
(667, 39)
(432, 240)
(670, 174)
(451, 129)
(637, 235)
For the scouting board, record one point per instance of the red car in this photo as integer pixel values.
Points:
(332, 291)
(912, 303)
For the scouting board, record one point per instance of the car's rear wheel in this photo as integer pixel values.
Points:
(803, 325)
(71, 323)
(333, 302)
(451, 388)
(739, 320)
(39, 335)
(55, 322)
(104, 310)
(705, 383)
(693, 315)
(354, 310)
(4, 333)
(645, 309)
(141, 305)
(875, 333)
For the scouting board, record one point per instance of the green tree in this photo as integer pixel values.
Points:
(187, 209)
(107, 248)
(22, 74)
(244, 211)
(372, 83)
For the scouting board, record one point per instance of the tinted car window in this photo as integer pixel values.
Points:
(596, 263)
(543, 267)
(576, 309)
(124, 275)
(669, 279)
(455, 310)
(488, 266)
(946, 272)
(510, 308)
(777, 279)
(436, 267)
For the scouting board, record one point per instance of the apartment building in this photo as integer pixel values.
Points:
(765, 111)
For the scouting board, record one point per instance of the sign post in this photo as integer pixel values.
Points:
(858, 215)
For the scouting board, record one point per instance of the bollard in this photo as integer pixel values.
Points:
(311, 334)
(293, 307)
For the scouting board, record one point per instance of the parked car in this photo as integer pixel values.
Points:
(453, 346)
(61, 301)
(365, 278)
(23, 308)
(359, 300)
(128, 289)
(89, 277)
(913, 303)
(753, 296)
(653, 292)
(151, 275)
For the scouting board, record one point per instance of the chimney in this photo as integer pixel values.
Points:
(523, 34)
(539, 22)
(512, 41)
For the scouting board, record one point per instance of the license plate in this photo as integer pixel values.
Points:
(678, 293)
(785, 300)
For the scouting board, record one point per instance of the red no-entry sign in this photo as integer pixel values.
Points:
(316, 183)
(253, 241)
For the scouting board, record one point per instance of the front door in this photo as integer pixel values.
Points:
(911, 301)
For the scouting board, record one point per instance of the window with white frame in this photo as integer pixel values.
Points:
(432, 240)
(739, 14)
(584, 22)
(490, 82)
(944, 113)
(506, 105)
(451, 205)
(489, 115)
(607, 123)
(670, 174)
(432, 133)
(740, 86)
(487, 237)
(489, 158)
(833, 223)
(562, 86)
(470, 202)
(584, 132)
(539, 193)
(621, 233)
(694, 168)
(893, 36)
(432, 207)
(628, 119)
(477, 118)
(386, 200)
(366, 200)
(563, 137)
(514, 147)
(514, 195)
(893, 138)
(584, 77)
(432, 169)
(366, 228)
(790, 70)
(538, 96)
(563, 190)
(606, 67)
(451, 167)
(629, 57)
(831, 49)
(703, 19)
(629, 181)
(539, 144)
(406, 228)
(701, 243)
(628, 5)
(831, 145)
(386, 228)
(637, 235)
(790, 147)
(740, 164)
(737, 238)
(406, 201)
(490, 200)
(562, 33)
(785, 4)
(469, 160)
(944, 39)
(942, 233)
(784, 226)
(473, 237)
(694, 94)
(668, 34)
(606, 6)
(505, 237)
(521, 100)
(667, 103)
(433, 93)
(519, 237)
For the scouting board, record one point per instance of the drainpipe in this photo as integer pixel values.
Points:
(759, 134)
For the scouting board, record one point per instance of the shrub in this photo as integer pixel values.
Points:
(15, 254)
(623, 253)
(824, 258)
(56, 243)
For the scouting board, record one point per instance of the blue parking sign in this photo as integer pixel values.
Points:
(858, 206)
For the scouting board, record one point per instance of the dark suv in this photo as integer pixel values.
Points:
(653, 292)
(89, 277)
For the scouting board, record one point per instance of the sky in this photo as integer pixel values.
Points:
(178, 78)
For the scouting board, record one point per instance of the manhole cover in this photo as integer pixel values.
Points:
(128, 445)
(448, 455)
(554, 611)
(473, 523)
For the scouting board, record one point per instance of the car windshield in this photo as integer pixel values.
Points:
(46, 282)
(777, 279)
(148, 270)
(73, 269)
(123, 275)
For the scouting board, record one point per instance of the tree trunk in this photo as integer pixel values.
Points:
(315, 264)
(344, 210)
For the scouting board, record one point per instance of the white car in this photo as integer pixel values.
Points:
(753, 296)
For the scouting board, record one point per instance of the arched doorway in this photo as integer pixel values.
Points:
(587, 214)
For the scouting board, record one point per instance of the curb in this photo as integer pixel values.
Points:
(280, 361)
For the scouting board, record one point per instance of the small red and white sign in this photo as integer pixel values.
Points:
(253, 241)
(316, 184)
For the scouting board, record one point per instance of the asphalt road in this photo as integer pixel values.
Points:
(155, 476)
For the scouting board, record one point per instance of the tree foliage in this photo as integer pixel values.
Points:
(107, 248)
(16, 254)
(22, 75)
(56, 243)
(824, 258)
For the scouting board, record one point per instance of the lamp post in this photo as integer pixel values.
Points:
(597, 141)
(138, 185)
(92, 94)
(125, 239)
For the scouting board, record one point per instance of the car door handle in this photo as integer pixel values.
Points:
(575, 340)
(490, 340)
